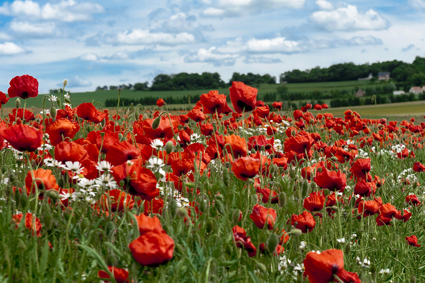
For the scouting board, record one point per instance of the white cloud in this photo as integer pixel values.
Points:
(324, 5)
(65, 11)
(4, 36)
(234, 8)
(89, 57)
(10, 48)
(253, 45)
(348, 18)
(145, 37)
(32, 28)
(418, 4)
(78, 82)
(210, 56)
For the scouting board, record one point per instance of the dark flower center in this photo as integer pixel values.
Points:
(24, 94)
(244, 106)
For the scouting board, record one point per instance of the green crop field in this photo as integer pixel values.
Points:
(102, 95)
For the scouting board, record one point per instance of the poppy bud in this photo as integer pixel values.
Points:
(295, 232)
(189, 185)
(173, 208)
(319, 169)
(65, 82)
(220, 197)
(236, 216)
(84, 225)
(313, 186)
(67, 100)
(17, 196)
(17, 103)
(203, 206)
(334, 208)
(210, 225)
(4, 169)
(292, 174)
(282, 199)
(53, 195)
(272, 243)
(182, 212)
(122, 183)
(59, 102)
(155, 123)
(334, 158)
(261, 267)
(24, 201)
(220, 207)
(305, 189)
(47, 218)
(53, 112)
(226, 177)
(169, 147)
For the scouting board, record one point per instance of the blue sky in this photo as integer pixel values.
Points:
(112, 42)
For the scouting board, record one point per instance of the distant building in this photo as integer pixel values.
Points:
(423, 88)
(383, 76)
(366, 79)
(416, 90)
(398, 92)
(360, 93)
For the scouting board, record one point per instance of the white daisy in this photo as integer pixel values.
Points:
(157, 143)
(104, 166)
(75, 167)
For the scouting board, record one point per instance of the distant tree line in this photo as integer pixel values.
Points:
(380, 99)
(405, 74)
(112, 102)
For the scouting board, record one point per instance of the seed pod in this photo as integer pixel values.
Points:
(17, 103)
(169, 146)
(24, 201)
(272, 243)
(236, 216)
(261, 267)
(282, 199)
(220, 207)
(155, 123)
(295, 232)
(182, 212)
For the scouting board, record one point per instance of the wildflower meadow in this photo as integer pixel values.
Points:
(220, 193)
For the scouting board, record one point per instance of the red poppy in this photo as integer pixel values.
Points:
(325, 106)
(139, 181)
(164, 129)
(104, 143)
(153, 207)
(122, 152)
(418, 167)
(43, 179)
(318, 107)
(370, 207)
(413, 199)
(23, 86)
(305, 221)
(70, 151)
(61, 129)
(332, 180)
(118, 200)
(242, 241)
(23, 137)
(147, 224)
(237, 144)
(363, 188)
(300, 143)
(153, 248)
(262, 216)
(321, 267)
(412, 241)
(196, 115)
(277, 105)
(160, 102)
(360, 168)
(120, 275)
(19, 113)
(315, 201)
(88, 112)
(3, 99)
(29, 222)
(243, 97)
(213, 103)
(246, 167)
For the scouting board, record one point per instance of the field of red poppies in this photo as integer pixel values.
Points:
(220, 194)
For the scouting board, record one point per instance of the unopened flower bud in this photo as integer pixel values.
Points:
(59, 102)
(261, 267)
(295, 232)
(84, 225)
(282, 199)
(65, 82)
(53, 112)
(182, 212)
(17, 103)
(156, 122)
(173, 208)
(272, 243)
(220, 207)
(169, 146)
(236, 216)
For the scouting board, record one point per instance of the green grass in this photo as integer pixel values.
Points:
(102, 95)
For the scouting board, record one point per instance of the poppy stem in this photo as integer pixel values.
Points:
(338, 279)
(23, 112)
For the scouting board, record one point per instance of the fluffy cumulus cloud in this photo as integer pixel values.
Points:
(78, 82)
(65, 10)
(324, 5)
(33, 29)
(348, 18)
(146, 37)
(234, 8)
(10, 48)
(89, 57)
(211, 56)
(253, 45)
